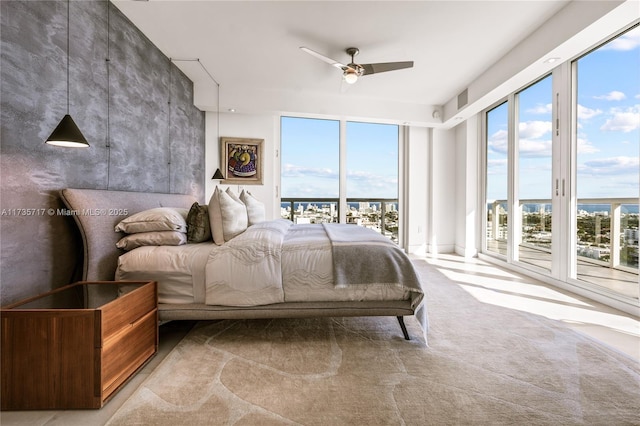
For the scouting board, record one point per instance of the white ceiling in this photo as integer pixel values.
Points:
(251, 48)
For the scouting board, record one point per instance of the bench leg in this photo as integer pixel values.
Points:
(404, 328)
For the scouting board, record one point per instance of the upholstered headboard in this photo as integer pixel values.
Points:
(97, 212)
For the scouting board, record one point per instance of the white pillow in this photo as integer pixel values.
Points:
(158, 219)
(157, 238)
(228, 216)
(255, 208)
(231, 194)
(234, 215)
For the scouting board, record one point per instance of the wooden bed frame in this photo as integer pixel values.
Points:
(96, 212)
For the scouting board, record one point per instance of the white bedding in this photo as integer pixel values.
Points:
(299, 268)
(179, 270)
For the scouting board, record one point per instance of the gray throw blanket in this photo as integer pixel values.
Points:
(362, 256)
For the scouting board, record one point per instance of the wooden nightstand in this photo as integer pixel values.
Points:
(58, 354)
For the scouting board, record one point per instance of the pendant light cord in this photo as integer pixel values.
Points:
(169, 127)
(68, 53)
(108, 60)
(217, 87)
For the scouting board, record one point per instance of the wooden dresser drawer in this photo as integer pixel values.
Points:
(131, 306)
(126, 350)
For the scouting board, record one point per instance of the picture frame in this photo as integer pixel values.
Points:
(241, 160)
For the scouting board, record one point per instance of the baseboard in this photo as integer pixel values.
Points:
(467, 253)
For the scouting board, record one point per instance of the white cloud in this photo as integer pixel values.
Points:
(611, 166)
(533, 129)
(612, 96)
(540, 109)
(625, 42)
(498, 142)
(530, 143)
(585, 113)
(534, 148)
(290, 170)
(623, 120)
(319, 182)
(585, 147)
(497, 167)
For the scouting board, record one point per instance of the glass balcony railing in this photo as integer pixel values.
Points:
(607, 229)
(379, 214)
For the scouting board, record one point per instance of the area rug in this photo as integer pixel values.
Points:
(484, 365)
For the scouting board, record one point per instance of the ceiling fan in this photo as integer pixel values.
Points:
(352, 71)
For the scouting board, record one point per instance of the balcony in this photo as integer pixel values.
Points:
(606, 243)
(379, 214)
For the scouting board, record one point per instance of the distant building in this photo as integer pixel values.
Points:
(631, 237)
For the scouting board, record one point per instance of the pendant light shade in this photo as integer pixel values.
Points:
(218, 175)
(67, 134)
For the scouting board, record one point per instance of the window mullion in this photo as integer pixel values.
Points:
(343, 173)
(513, 214)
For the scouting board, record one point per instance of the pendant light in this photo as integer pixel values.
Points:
(218, 175)
(67, 133)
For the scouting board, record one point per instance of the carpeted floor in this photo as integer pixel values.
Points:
(485, 365)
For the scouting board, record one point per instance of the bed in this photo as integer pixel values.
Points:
(274, 269)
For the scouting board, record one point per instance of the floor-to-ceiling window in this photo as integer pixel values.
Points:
(533, 197)
(324, 168)
(310, 164)
(497, 161)
(372, 176)
(570, 140)
(607, 93)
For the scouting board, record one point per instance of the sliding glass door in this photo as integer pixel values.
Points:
(497, 160)
(607, 91)
(534, 175)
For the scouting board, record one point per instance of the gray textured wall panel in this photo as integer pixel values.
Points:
(40, 252)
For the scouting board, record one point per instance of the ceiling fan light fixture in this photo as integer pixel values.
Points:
(352, 71)
(350, 76)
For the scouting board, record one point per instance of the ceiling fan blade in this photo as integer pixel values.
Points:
(323, 58)
(384, 67)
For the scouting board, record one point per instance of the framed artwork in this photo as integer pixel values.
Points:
(241, 160)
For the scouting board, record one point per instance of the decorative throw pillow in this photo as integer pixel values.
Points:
(155, 238)
(158, 219)
(255, 208)
(198, 227)
(228, 216)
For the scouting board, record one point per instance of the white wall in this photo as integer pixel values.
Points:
(467, 215)
(441, 204)
(416, 164)
(250, 126)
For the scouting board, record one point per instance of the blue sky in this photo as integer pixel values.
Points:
(608, 133)
(310, 159)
